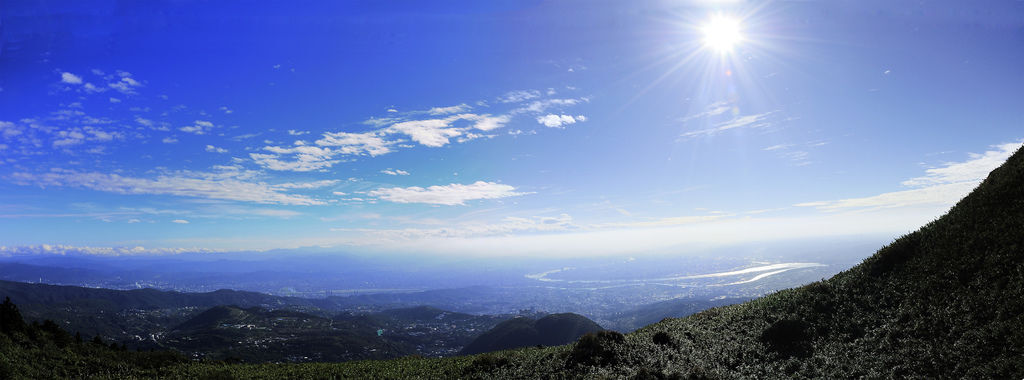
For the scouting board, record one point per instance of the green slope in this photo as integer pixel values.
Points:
(944, 301)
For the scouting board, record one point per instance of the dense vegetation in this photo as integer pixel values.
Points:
(944, 301)
(552, 330)
(46, 351)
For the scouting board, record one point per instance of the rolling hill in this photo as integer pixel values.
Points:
(551, 330)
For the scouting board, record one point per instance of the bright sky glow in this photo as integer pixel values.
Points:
(495, 128)
(721, 33)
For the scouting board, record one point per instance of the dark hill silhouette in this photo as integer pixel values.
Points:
(551, 330)
(42, 294)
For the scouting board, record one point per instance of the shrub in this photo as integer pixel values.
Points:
(788, 337)
(662, 338)
(486, 363)
(596, 349)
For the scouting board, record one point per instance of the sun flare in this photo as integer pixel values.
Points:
(721, 33)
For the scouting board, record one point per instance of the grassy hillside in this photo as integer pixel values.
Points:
(946, 301)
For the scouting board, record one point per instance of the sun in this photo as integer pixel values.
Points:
(721, 33)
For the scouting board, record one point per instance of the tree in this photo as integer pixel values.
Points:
(10, 318)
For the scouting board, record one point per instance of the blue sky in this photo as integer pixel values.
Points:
(495, 128)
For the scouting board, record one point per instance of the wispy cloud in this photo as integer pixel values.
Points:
(713, 109)
(939, 186)
(449, 195)
(518, 96)
(663, 222)
(539, 106)
(557, 121)
(443, 126)
(432, 132)
(761, 120)
(70, 78)
(213, 149)
(227, 185)
(507, 226)
(369, 143)
(302, 158)
(394, 172)
(199, 127)
(58, 249)
(976, 168)
(449, 110)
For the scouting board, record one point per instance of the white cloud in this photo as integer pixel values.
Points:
(367, 143)
(306, 185)
(777, 147)
(974, 169)
(508, 225)
(439, 132)
(394, 172)
(557, 121)
(432, 132)
(488, 122)
(226, 110)
(70, 78)
(226, 185)
(662, 222)
(199, 127)
(125, 84)
(539, 106)
(169, 140)
(453, 194)
(213, 149)
(115, 100)
(448, 110)
(518, 96)
(58, 249)
(713, 109)
(761, 120)
(180, 221)
(942, 186)
(946, 194)
(91, 88)
(306, 158)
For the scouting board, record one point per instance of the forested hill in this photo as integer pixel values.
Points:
(551, 330)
